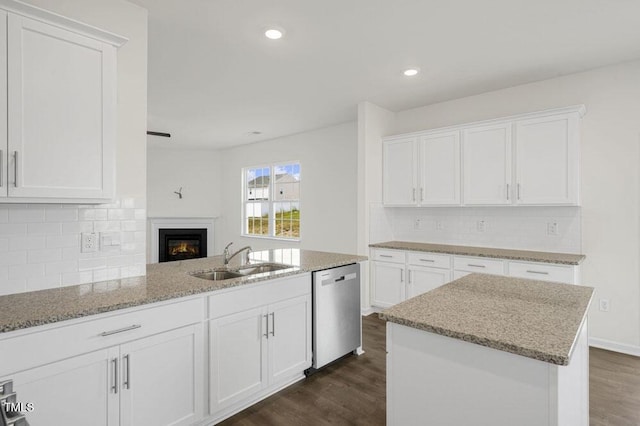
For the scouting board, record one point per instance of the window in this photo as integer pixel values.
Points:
(272, 201)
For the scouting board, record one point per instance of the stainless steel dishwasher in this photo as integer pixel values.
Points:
(337, 322)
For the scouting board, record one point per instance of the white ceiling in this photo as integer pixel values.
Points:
(214, 77)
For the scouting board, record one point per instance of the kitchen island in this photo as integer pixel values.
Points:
(490, 350)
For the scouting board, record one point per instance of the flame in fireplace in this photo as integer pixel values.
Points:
(183, 248)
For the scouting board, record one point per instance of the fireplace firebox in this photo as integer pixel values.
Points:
(182, 244)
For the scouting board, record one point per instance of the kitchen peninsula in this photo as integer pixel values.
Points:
(490, 350)
(115, 347)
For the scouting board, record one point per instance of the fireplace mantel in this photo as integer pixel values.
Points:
(157, 223)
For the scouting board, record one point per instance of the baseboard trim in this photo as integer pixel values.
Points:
(614, 346)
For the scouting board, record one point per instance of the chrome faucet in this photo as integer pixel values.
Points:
(228, 257)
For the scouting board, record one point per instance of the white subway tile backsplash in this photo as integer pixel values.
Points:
(26, 243)
(24, 215)
(44, 256)
(60, 241)
(44, 228)
(505, 227)
(53, 214)
(40, 244)
(12, 229)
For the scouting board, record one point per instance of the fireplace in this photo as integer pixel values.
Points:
(181, 244)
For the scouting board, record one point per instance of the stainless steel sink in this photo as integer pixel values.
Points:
(262, 268)
(244, 271)
(217, 275)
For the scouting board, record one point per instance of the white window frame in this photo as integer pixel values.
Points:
(271, 201)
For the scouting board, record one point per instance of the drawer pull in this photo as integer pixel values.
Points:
(386, 255)
(427, 260)
(476, 266)
(538, 272)
(120, 330)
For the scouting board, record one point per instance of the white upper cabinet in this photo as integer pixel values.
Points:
(487, 164)
(547, 160)
(400, 172)
(439, 169)
(59, 125)
(529, 159)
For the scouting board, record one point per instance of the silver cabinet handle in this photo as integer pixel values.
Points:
(401, 275)
(427, 260)
(1, 168)
(538, 272)
(409, 276)
(386, 255)
(421, 194)
(507, 192)
(126, 382)
(266, 334)
(15, 169)
(273, 324)
(120, 330)
(476, 266)
(114, 386)
(414, 194)
(518, 191)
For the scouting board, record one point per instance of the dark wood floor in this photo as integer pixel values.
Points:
(352, 391)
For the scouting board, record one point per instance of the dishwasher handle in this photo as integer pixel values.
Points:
(334, 280)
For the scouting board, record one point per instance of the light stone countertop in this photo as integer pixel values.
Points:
(535, 319)
(163, 281)
(524, 255)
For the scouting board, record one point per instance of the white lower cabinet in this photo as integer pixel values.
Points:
(109, 371)
(422, 279)
(259, 342)
(397, 275)
(388, 283)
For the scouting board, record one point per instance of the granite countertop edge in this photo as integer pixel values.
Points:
(557, 359)
(78, 310)
(488, 252)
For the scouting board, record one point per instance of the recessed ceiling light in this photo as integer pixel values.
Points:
(410, 72)
(274, 33)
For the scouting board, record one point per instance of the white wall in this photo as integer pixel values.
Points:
(199, 174)
(40, 244)
(328, 160)
(610, 177)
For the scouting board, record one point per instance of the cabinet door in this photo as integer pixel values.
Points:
(420, 280)
(440, 169)
(78, 391)
(61, 112)
(4, 155)
(400, 172)
(238, 362)
(547, 163)
(289, 336)
(388, 284)
(162, 378)
(487, 164)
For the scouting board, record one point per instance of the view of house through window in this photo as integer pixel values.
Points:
(272, 201)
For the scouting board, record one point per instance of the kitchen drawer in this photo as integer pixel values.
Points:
(249, 296)
(33, 349)
(394, 256)
(429, 259)
(478, 264)
(542, 272)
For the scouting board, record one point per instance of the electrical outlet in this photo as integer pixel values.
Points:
(552, 228)
(439, 225)
(89, 242)
(604, 305)
(417, 223)
(480, 226)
